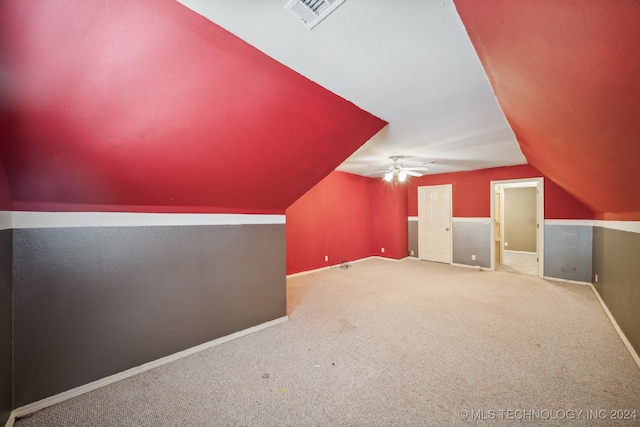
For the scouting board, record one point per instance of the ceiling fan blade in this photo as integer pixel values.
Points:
(421, 168)
(382, 171)
(412, 173)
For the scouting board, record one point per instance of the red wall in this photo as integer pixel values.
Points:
(147, 106)
(5, 193)
(334, 219)
(390, 229)
(346, 217)
(472, 193)
(349, 217)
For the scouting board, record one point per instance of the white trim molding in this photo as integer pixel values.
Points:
(486, 220)
(576, 222)
(6, 220)
(520, 252)
(475, 267)
(630, 226)
(387, 259)
(317, 270)
(75, 392)
(328, 267)
(24, 219)
(413, 218)
(575, 282)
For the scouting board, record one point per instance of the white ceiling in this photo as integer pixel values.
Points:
(410, 63)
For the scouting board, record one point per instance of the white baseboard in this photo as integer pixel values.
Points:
(317, 270)
(328, 267)
(556, 279)
(520, 252)
(475, 267)
(624, 339)
(387, 259)
(74, 392)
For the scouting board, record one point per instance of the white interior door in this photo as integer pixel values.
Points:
(434, 223)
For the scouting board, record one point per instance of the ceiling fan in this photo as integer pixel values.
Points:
(398, 173)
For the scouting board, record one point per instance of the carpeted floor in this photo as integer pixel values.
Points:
(392, 343)
(519, 262)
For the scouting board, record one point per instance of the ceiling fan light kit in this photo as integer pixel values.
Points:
(398, 173)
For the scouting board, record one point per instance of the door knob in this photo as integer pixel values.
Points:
(447, 228)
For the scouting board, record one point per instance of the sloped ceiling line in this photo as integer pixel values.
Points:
(111, 103)
(410, 63)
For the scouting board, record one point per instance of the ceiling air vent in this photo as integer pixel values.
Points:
(311, 12)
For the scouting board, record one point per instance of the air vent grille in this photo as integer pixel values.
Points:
(311, 12)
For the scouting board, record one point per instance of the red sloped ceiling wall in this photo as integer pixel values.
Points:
(345, 217)
(566, 76)
(471, 193)
(145, 105)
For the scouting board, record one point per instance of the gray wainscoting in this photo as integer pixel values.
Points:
(413, 237)
(568, 252)
(616, 261)
(6, 319)
(92, 302)
(472, 238)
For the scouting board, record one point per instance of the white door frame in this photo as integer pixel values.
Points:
(449, 187)
(523, 182)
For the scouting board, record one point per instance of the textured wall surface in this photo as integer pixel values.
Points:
(6, 298)
(566, 78)
(615, 261)
(346, 217)
(568, 252)
(413, 238)
(333, 219)
(472, 238)
(96, 96)
(91, 302)
(6, 312)
(389, 208)
(520, 216)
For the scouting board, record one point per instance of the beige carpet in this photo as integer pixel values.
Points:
(519, 262)
(388, 343)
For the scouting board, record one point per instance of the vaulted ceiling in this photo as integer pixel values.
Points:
(235, 106)
(114, 105)
(567, 75)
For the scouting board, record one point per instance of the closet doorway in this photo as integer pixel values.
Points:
(517, 218)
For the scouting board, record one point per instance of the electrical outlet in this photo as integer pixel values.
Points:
(473, 257)
(596, 278)
(326, 258)
(506, 244)
(412, 253)
(382, 250)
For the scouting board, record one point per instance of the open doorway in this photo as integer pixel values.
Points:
(517, 214)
